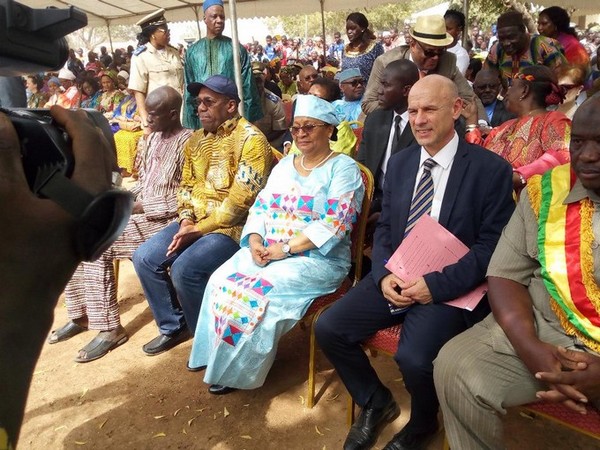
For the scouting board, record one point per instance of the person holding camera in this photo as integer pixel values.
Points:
(39, 256)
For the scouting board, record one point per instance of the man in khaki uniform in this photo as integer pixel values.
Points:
(154, 63)
(273, 124)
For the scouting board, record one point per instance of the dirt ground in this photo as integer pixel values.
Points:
(128, 400)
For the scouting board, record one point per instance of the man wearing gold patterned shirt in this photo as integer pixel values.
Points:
(226, 164)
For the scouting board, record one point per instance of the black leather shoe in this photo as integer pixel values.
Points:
(217, 389)
(194, 369)
(164, 342)
(363, 434)
(407, 440)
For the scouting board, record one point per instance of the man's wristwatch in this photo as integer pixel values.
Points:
(286, 249)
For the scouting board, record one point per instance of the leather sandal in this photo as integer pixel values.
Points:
(66, 332)
(103, 343)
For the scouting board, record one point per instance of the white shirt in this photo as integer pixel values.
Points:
(439, 173)
(388, 150)
(462, 57)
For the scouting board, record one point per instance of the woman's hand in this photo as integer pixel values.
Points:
(258, 251)
(275, 252)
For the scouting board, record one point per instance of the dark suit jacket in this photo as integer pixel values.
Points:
(477, 205)
(500, 115)
(375, 137)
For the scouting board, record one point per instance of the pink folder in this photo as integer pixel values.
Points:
(429, 247)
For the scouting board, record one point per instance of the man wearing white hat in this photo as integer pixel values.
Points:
(154, 63)
(427, 50)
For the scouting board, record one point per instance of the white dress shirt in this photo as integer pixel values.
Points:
(388, 149)
(439, 173)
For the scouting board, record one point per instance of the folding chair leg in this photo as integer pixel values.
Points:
(310, 395)
(351, 411)
(446, 445)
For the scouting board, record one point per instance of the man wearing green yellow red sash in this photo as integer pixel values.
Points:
(542, 340)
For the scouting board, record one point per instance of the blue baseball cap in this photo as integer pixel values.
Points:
(216, 83)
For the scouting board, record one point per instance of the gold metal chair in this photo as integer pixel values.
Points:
(323, 302)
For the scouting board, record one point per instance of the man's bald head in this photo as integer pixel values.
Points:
(166, 95)
(433, 106)
(307, 75)
(163, 106)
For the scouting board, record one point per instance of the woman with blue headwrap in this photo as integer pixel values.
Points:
(295, 247)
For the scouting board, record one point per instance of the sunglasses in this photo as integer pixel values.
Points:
(431, 53)
(568, 87)
(355, 83)
(207, 102)
(308, 128)
(486, 86)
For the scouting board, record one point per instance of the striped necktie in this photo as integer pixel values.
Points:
(423, 198)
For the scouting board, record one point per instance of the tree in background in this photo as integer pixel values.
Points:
(90, 38)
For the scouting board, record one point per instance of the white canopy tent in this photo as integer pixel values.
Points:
(116, 12)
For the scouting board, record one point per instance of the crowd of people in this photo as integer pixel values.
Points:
(244, 208)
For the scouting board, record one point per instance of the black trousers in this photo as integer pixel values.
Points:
(426, 328)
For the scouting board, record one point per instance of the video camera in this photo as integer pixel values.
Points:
(33, 40)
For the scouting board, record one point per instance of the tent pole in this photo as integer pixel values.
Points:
(236, 54)
(196, 9)
(466, 30)
(109, 36)
(323, 28)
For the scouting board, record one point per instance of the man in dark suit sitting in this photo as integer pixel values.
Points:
(487, 86)
(386, 130)
(470, 194)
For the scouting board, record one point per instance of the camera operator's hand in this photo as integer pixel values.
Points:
(38, 254)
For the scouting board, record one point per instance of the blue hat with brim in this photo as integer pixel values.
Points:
(348, 74)
(208, 3)
(216, 83)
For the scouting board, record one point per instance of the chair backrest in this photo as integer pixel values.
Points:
(360, 228)
(277, 155)
(358, 132)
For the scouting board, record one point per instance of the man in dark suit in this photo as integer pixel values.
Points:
(386, 130)
(487, 86)
(470, 194)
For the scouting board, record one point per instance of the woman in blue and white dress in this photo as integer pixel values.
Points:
(295, 247)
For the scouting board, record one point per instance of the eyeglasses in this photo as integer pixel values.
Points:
(431, 53)
(568, 87)
(208, 102)
(355, 83)
(308, 128)
(486, 86)
(163, 30)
